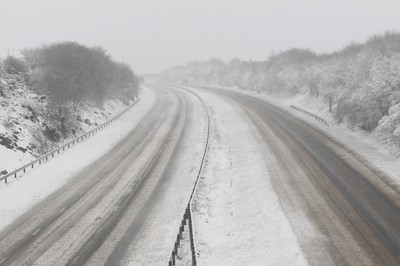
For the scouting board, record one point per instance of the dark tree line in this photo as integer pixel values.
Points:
(63, 79)
(71, 73)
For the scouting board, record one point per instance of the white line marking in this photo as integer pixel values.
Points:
(37, 231)
(3, 260)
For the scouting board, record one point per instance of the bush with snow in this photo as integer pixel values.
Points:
(359, 84)
(48, 93)
(390, 124)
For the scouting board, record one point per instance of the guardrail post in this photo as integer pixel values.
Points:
(173, 257)
(15, 175)
(24, 170)
(194, 262)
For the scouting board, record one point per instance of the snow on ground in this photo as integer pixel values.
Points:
(24, 117)
(13, 159)
(184, 256)
(92, 115)
(238, 219)
(159, 233)
(23, 193)
(369, 147)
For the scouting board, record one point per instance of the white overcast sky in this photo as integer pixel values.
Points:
(152, 35)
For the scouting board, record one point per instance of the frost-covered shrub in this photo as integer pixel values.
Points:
(69, 72)
(13, 65)
(359, 83)
(390, 125)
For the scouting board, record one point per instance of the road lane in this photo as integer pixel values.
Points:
(127, 214)
(354, 210)
(78, 196)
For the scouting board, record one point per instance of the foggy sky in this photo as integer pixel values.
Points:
(152, 35)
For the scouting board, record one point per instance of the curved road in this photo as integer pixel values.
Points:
(354, 210)
(101, 214)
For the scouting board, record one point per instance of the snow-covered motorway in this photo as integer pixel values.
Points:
(124, 207)
(340, 209)
(275, 190)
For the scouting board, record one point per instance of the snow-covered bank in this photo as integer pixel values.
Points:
(28, 128)
(238, 218)
(370, 147)
(360, 81)
(40, 182)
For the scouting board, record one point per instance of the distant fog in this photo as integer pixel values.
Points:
(154, 35)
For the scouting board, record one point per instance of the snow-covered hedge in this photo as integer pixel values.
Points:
(390, 124)
(55, 92)
(71, 72)
(360, 84)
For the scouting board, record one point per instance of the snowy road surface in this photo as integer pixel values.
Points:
(340, 211)
(274, 191)
(123, 208)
